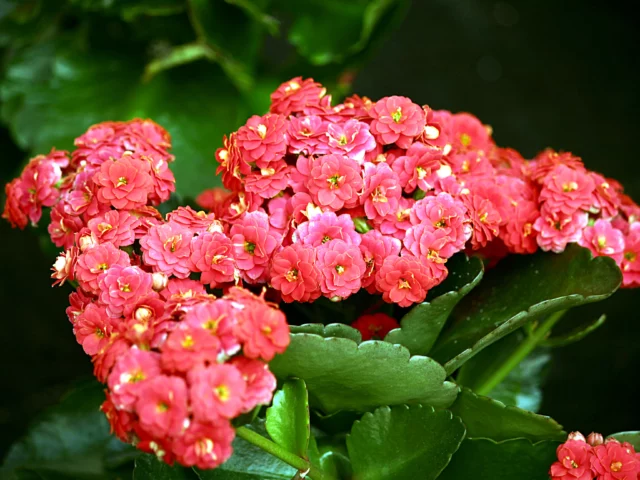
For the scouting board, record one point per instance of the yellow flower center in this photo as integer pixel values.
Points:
(465, 139)
(397, 115)
(291, 275)
(616, 466)
(122, 181)
(187, 342)
(339, 269)
(222, 392)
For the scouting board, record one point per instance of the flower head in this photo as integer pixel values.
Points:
(396, 120)
(375, 326)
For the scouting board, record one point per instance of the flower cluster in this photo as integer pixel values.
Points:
(595, 458)
(327, 200)
(179, 363)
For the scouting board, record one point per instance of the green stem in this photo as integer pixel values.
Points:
(276, 450)
(525, 348)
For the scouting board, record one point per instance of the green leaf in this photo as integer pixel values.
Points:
(131, 9)
(632, 437)
(254, 10)
(288, 418)
(522, 387)
(332, 330)
(148, 467)
(249, 462)
(68, 441)
(328, 31)
(485, 459)
(53, 92)
(520, 289)
(419, 329)
(403, 442)
(575, 335)
(342, 375)
(488, 418)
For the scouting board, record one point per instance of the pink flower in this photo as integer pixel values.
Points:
(13, 211)
(306, 135)
(485, 219)
(95, 261)
(605, 197)
(124, 184)
(603, 240)
(296, 94)
(295, 275)
(93, 329)
(375, 326)
(396, 120)
(263, 331)
(122, 286)
(78, 301)
(375, 248)
(398, 222)
(63, 226)
(188, 347)
(565, 190)
(342, 268)
(254, 242)
(262, 140)
(574, 461)
(382, 190)
(615, 461)
(212, 254)
(268, 182)
(167, 248)
(204, 445)
(518, 233)
(233, 166)
(129, 374)
(259, 380)
(324, 227)
(351, 138)
(114, 226)
(548, 160)
(216, 392)
(555, 231)
(466, 132)
(40, 180)
(631, 259)
(162, 406)
(334, 181)
(419, 167)
(425, 242)
(163, 181)
(445, 214)
(197, 222)
(218, 319)
(403, 280)
(64, 266)
(106, 358)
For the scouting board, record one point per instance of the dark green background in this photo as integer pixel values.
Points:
(542, 73)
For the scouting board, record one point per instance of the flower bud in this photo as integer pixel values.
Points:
(86, 242)
(577, 436)
(143, 314)
(160, 281)
(594, 439)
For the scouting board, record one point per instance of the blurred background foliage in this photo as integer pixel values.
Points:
(544, 73)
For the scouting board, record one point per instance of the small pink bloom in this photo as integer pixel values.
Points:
(254, 242)
(212, 254)
(396, 120)
(95, 261)
(262, 140)
(306, 135)
(615, 461)
(324, 227)
(375, 326)
(574, 461)
(603, 240)
(40, 180)
(419, 167)
(64, 266)
(204, 445)
(125, 183)
(233, 166)
(263, 331)
(548, 160)
(13, 211)
(382, 190)
(197, 222)
(375, 248)
(295, 275)
(216, 392)
(351, 138)
(555, 231)
(167, 248)
(466, 133)
(188, 347)
(485, 219)
(403, 280)
(106, 358)
(518, 233)
(78, 301)
(296, 94)
(114, 226)
(342, 267)
(605, 196)
(163, 181)
(93, 329)
(268, 182)
(121, 422)
(129, 374)
(63, 226)
(335, 181)
(565, 190)
(398, 222)
(631, 259)
(259, 380)
(162, 406)
(123, 286)
(218, 319)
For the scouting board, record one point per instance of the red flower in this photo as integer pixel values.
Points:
(603, 240)
(296, 94)
(254, 242)
(13, 211)
(204, 445)
(197, 222)
(295, 275)
(162, 406)
(268, 182)
(167, 249)
(63, 226)
(466, 133)
(129, 373)
(232, 166)
(263, 331)
(396, 120)
(93, 329)
(382, 190)
(114, 226)
(574, 461)
(212, 254)
(125, 183)
(485, 219)
(123, 286)
(187, 347)
(324, 227)
(216, 392)
(403, 280)
(259, 380)
(217, 318)
(615, 461)
(375, 248)
(95, 261)
(565, 190)
(631, 258)
(262, 140)
(306, 135)
(555, 231)
(351, 138)
(342, 268)
(419, 167)
(375, 326)
(518, 233)
(334, 181)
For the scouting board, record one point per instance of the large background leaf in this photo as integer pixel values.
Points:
(403, 442)
(342, 375)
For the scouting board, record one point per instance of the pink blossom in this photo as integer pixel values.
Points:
(216, 392)
(162, 406)
(218, 319)
(63, 226)
(396, 120)
(555, 231)
(382, 190)
(403, 280)
(517, 233)
(163, 180)
(425, 242)
(574, 461)
(306, 134)
(263, 331)
(197, 222)
(95, 261)
(342, 268)
(615, 461)
(262, 140)
(466, 132)
(375, 248)
(631, 259)
(295, 275)
(13, 210)
(603, 240)
(204, 445)
(188, 347)
(296, 94)
(64, 266)
(398, 222)
(419, 167)
(122, 286)
(565, 190)
(484, 217)
(334, 181)
(324, 227)
(233, 167)
(352, 139)
(548, 160)
(125, 183)
(212, 254)
(268, 182)
(259, 380)
(114, 226)
(254, 242)
(167, 248)
(605, 197)
(93, 329)
(129, 374)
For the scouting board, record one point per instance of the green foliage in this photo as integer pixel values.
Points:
(342, 375)
(288, 418)
(332, 330)
(487, 418)
(421, 327)
(403, 442)
(632, 437)
(148, 467)
(522, 289)
(576, 334)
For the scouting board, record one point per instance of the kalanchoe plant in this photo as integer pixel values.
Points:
(369, 224)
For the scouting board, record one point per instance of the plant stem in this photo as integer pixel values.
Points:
(276, 450)
(525, 348)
